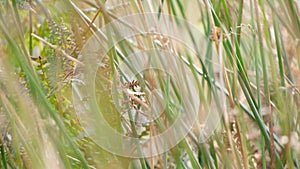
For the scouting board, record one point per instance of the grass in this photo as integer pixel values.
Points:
(248, 55)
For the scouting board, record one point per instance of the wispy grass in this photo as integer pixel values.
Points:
(250, 54)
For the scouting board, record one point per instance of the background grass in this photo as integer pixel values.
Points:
(257, 43)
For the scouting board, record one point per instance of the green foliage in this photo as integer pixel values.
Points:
(257, 42)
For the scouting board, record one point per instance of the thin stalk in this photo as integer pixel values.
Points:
(57, 49)
(240, 17)
(261, 47)
(30, 30)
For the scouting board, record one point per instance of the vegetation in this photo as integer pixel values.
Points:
(246, 65)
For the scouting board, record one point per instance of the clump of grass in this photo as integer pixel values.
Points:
(257, 48)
